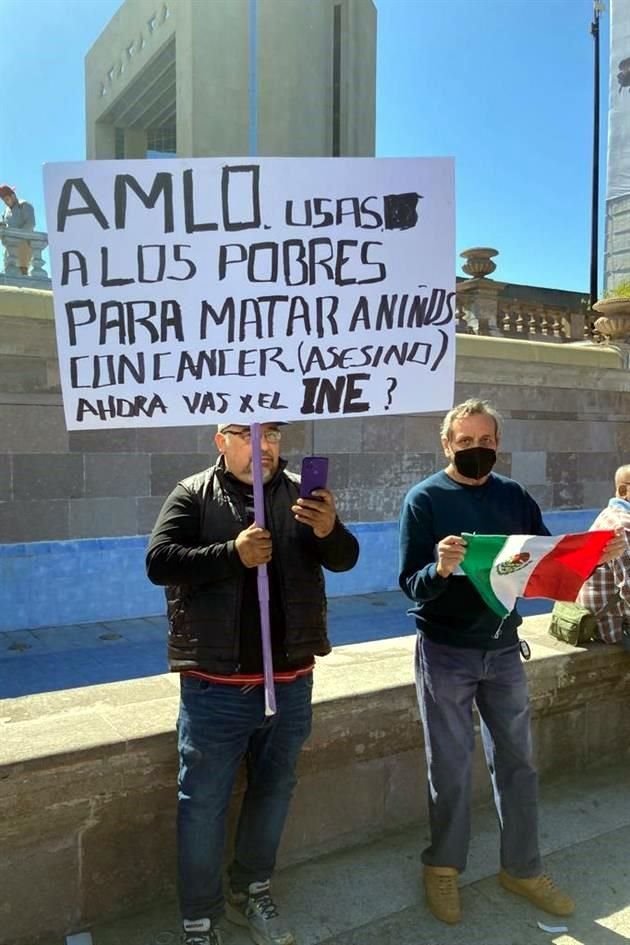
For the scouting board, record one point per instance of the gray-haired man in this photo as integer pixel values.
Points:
(465, 655)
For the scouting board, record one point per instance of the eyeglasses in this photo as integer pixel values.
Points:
(272, 436)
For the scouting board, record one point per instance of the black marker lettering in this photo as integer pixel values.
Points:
(378, 219)
(271, 271)
(341, 260)
(73, 324)
(314, 261)
(224, 259)
(90, 206)
(353, 211)
(288, 214)
(74, 372)
(273, 356)
(287, 246)
(110, 407)
(162, 187)
(202, 403)
(338, 396)
(189, 206)
(382, 273)
(327, 219)
(157, 366)
(227, 312)
(177, 255)
(361, 315)
(298, 312)
(271, 401)
(161, 261)
(230, 178)
(429, 310)
(106, 281)
(322, 316)
(67, 269)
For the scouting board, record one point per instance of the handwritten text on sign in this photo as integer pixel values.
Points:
(241, 290)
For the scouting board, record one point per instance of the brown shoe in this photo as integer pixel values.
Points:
(442, 894)
(541, 890)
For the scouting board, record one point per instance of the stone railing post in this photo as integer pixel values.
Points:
(11, 239)
(479, 295)
(576, 323)
(11, 267)
(38, 246)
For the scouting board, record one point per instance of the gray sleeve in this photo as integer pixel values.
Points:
(28, 216)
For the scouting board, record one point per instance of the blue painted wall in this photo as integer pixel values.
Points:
(51, 583)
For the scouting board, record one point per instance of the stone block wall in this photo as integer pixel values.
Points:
(566, 430)
(75, 507)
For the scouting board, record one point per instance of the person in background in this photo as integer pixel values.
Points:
(607, 592)
(19, 215)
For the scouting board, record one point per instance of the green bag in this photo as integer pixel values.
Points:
(572, 623)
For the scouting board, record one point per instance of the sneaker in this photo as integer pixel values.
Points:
(200, 932)
(442, 893)
(541, 890)
(257, 911)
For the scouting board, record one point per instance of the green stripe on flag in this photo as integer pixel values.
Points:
(481, 550)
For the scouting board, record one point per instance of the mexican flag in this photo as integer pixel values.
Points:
(504, 567)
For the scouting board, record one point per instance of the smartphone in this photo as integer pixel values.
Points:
(314, 475)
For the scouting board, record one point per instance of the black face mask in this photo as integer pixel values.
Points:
(476, 462)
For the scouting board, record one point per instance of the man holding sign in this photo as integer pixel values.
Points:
(205, 549)
(468, 651)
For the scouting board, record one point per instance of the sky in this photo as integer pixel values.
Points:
(503, 86)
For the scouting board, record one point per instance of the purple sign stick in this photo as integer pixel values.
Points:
(263, 578)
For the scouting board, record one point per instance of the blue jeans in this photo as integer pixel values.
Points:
(448, 680)
(218, 726)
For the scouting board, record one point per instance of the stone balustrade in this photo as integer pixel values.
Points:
(501, 310)
(525, 321)
(540, 323)
(37, 276)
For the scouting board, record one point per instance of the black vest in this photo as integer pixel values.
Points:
(204, 619)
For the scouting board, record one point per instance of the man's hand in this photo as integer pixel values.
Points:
(451, 551)
(319, 512)
(615, 547)
(253, 545)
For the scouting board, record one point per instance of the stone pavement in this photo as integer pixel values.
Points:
(53, 658)
(370, 895)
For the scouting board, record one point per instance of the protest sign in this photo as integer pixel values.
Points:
(206, 290)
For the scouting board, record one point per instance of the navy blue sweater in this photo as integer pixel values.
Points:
(449, 610)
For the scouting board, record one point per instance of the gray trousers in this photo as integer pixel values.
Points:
(448, 680)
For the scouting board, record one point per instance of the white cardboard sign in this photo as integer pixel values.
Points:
(248, 290)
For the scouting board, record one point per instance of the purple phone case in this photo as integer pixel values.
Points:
(314, 474)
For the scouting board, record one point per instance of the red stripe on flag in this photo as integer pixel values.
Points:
(562, 572)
